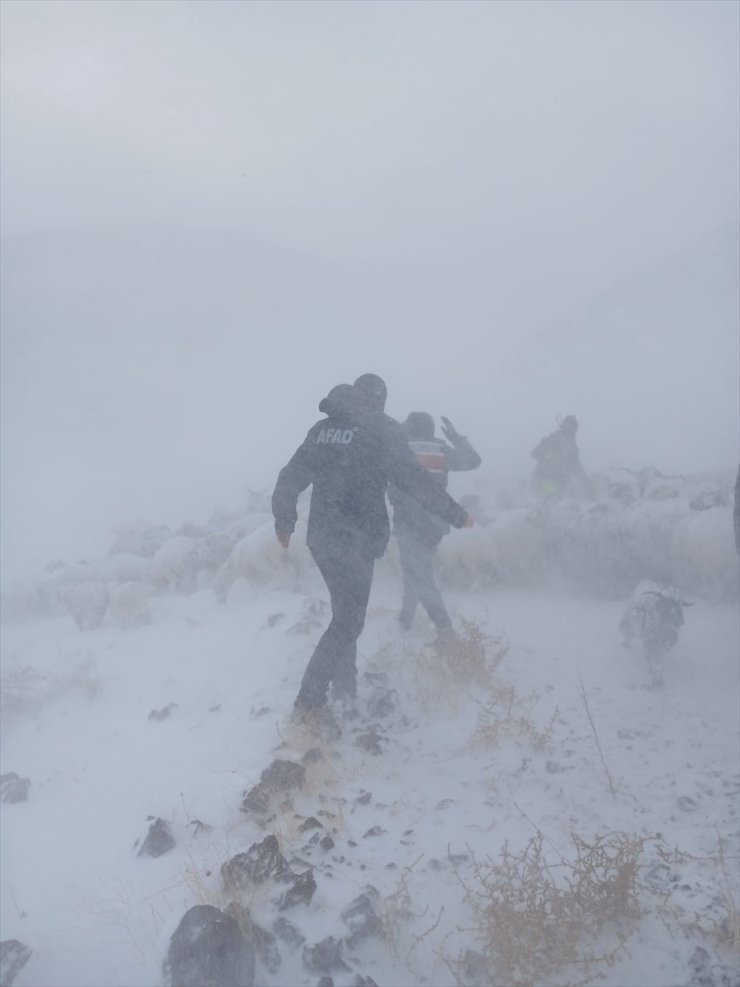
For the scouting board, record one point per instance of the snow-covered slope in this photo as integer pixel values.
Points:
(539, 738)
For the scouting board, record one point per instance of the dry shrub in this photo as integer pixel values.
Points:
(532, 925)
(473, 656)
(441, 671)
(506, 717)
(395, 909)
(719, 923)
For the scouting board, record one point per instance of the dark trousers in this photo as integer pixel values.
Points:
(348, 574)
(419, 585)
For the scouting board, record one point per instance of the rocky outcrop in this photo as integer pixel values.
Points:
(208, 949)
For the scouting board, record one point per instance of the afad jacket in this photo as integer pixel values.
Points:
(349, 458)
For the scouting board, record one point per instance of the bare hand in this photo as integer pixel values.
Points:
(448, 428)
(283, 539)
(469, 521)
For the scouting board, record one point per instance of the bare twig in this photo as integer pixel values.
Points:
(584, 700)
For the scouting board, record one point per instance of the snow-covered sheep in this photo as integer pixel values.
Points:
(705, 558)
(57, 576)
(174, 566)
(652, 619)
(86, 602)
(129, 606)
(125, 567)
(621, 485)
(259, 559)
(139, 538)
(215, 547)
(468, 559)
(518, 545)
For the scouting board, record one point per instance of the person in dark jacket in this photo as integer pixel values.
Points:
(558, 462)
(349, 457)
(419, 532)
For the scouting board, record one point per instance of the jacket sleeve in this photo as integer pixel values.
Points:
(405, 471)
(291, 482)
(461, 455)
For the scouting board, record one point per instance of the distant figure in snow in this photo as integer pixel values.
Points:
(419, 532)
(349, 457)
(558, 462)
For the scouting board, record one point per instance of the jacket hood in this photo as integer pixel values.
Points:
(419, 425)
(339, 402)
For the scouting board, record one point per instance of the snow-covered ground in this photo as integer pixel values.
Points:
(507, 757)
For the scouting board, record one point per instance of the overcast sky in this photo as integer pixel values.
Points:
(473, 173)
(453, 130)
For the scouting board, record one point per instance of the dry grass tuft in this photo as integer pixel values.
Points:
(532, 925)
(506, 717)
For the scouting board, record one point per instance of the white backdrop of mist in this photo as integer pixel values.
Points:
(213, 212)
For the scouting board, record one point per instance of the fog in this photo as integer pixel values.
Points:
(213, 212)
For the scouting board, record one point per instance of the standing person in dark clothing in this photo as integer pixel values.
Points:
(349, 458)
(558, 462)
(419, 532)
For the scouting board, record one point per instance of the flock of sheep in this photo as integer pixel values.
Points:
(650, 539)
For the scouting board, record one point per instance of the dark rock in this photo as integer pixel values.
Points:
(208, 950)
(301, 890)
(361, 917)
(325, 956)
(257, 799)
(279, 777)
(260, 862)
(706, 973)
(370, 741)
(310, 823)
(361, 981)
(264, 942)
(325, 981)
(327, 843)
(13, 957)
(312, 756)
(364, 799)
(13, 789)
(382, 702)
(687, 804)
(163, 713)
(267, 948)
(475, 969)
(375, 831)
(158, 840)
(286, 931)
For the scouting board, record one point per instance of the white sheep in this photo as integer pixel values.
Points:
(653, 618)
(86, 602)
(517, 545)
(705, 556)
(174, 566)
(125, 567)
(259, 559)
(57, 576)
(129, 606)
